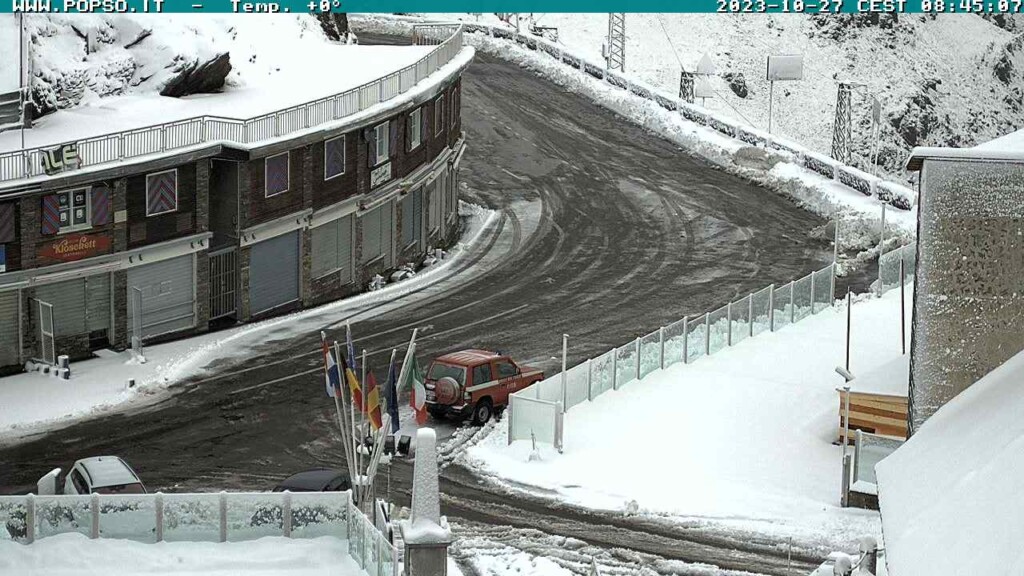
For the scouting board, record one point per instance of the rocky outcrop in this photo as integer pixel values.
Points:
(737, 83)
(195, 77)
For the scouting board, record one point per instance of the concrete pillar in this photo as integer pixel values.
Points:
(426, 534)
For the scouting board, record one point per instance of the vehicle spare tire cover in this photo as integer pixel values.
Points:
(446, 390)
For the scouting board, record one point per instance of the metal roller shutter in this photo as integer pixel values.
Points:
(68, 301)
(325, 248)
(345, 248)
(371, 234)
(274, 272)
(97, 303)
(387, 232)
(9, 321)
(168, 296)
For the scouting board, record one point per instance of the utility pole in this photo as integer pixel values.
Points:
(842, 128)
(615, 52)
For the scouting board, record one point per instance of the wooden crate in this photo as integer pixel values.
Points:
(884, 414)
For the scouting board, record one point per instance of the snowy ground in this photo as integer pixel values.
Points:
(263, 75)
(77, 555)
(742, 439)
(31, 402)
(9, 72)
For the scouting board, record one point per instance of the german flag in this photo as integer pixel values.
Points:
(353, 383)
(373, 400)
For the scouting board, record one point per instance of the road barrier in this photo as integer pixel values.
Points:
(181, 134)
(893, 194)
(216, 517)
(536, 411)
(889, 267)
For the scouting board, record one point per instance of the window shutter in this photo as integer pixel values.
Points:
(100, 205)
(424, 128)
(7, 222)
(393, 140)
(51, 215)
(408, 133)
(371, 146)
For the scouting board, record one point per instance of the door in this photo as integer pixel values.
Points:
(46, 330)
(223, 283)
(81, 308)
(168, 296)
(274, 273)
(10, 324)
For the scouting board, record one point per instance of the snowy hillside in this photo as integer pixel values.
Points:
(942, 81)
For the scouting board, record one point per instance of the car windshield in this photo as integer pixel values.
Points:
(439, 370)
(134, 488)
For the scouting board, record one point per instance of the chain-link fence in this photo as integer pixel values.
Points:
(536, 411)
(889, 267)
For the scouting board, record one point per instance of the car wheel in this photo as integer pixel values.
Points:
(436, 414)
(482, 412)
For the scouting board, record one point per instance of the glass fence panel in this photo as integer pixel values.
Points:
(626, 364)
(315, 514)
(14, 518)
(871, 450)
(761, 305)
(60, 514)
(650, 353)
(252, 516)
(740, 320)
(719, 329)
(601, 373)
(550, 389)
(780, 306)
(369, 546)
(696, 337)
(822, 297)
(802, 298)
(533, 418)
(355, 542)
(387, 560)
(576, 386)
(128, 517)
(675, 343)
(192, 517)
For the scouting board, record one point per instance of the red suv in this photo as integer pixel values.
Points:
(474, 383)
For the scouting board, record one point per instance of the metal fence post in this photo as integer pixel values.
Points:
(771, 307)
(844, 498)
(750, 315)
(661, 346)
(30, 518)
(511, 415)
(707, 333)
(565, 356)
(590, 380)
(728, 324)
(832, 289)
(792, 301)
(286, 514)
(637, 357)
(813, 311)
(94, 510)
(158, 503)
(615, 368)
(686, 340)
(223, 501)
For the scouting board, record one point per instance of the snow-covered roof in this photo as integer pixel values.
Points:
(1009, 147)
(950, 497)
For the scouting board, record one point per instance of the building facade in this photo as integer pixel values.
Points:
(168, 245)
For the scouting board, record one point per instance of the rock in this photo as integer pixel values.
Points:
(193, 77)
(737, 83)
(334, 24)
(755, 158)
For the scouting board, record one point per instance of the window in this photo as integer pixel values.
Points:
(79, 482)
(382, 137)
(415, 128)
(455, 105)
(482, 374)
(506, 369)
(277, 172)
(73, 210)
(439, 115)
(334, 157)
(439, 370)
(161, 192)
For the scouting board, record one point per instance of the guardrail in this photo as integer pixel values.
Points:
(536, 411)
(893, 194)
(216, 517)
(889, 267)
(179, 134)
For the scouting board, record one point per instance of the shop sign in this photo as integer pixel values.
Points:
(62, 158)
(75, 247)
(380, 175)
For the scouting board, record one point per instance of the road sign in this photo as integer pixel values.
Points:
(706, 67)
(702, 88)
(876, 110)
(785, 67)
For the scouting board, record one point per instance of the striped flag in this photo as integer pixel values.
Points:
(418, 396)
(373, 400)
(332, 376)
(353, 384)
(351, 347)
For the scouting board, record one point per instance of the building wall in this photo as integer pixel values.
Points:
(969, 290)
(145, 229)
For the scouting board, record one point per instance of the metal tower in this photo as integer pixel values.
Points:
(842, 129)
(615, 54)
(686, 86)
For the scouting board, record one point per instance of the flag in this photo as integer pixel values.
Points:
(353, 384)
(392, 395)
(351, 348)
(332, 376)
(418, 396)
(372, 400)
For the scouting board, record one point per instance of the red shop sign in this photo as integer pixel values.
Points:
(75, 247)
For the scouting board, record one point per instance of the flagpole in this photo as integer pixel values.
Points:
(339, 400)
(408, 354)
(391, 368)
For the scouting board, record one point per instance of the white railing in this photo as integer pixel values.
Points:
(889, 267)
(894, 194)
(215, 517)
(535, 411)
(192, 131)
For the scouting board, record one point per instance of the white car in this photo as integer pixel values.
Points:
(99, 475)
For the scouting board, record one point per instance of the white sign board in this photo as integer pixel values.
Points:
(706, 67)
(380, 175)
(876, 110)
(785, 67)
(702, 88)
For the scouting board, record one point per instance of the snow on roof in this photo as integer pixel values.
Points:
(891, 377)
(108, 471)
(1009, 147)
(950, 497)
(1012, 142)
(273, 67)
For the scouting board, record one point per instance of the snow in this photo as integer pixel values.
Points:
(9, 73)
(263, 78)
(32, 403)
(950, 496)
(890, 377)
(426, 525)
(1012, 142)
(741, 440)
(75, 554)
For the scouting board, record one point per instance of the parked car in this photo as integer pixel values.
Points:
(318, 480)
(102, 475)
(474, 383)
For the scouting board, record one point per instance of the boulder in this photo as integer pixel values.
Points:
(195, 77)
